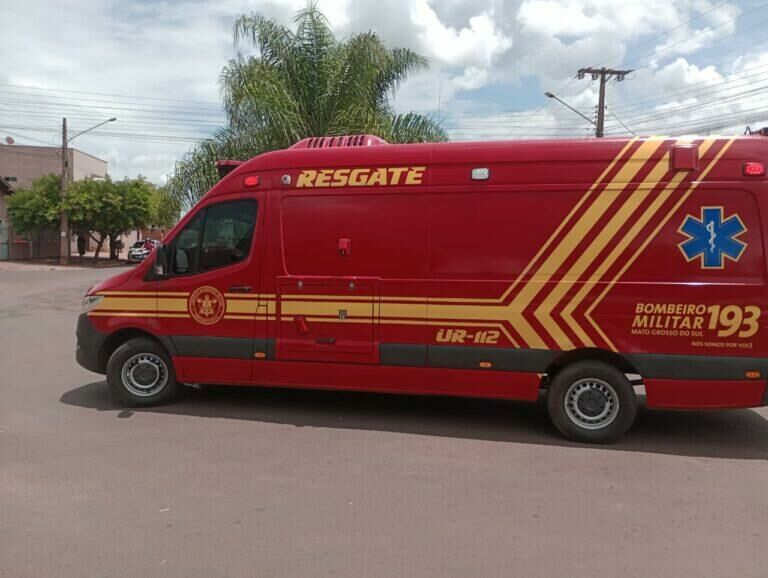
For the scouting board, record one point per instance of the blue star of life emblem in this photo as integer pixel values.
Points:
(712, 238)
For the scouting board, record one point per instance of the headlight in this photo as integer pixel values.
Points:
(90, 302)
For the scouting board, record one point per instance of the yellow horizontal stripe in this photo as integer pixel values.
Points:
(249, 297)
(474, 312)
(132, 314)
(144, 293)
(404, 310)
(326, 297)
(337, 320)
(164, 304)
(128, 303)
(241, 306)
(317, 308)
(405, 299)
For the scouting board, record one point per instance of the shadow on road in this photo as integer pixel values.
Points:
(736, 434)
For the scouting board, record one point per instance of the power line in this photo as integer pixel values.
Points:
(110, 95)
(708, 29)
(684, 92)
(103, 134)
(718, 103)
(620, 122)
(112, 106)
(666, 32)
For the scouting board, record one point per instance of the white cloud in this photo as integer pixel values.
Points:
(476, 44)
(176, 50)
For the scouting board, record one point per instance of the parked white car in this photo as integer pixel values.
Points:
(140, 250)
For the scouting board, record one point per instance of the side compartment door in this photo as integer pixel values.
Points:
(327, 319)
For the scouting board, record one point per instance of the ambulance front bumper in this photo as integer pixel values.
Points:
(89, 342)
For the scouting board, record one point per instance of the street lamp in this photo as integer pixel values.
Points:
(565, 104)
(114, 118)
(65, 247)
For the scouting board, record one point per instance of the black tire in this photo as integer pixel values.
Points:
(602, 403)
(141, 387)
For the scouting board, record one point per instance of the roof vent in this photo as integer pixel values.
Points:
(326, 142)
(226, 167)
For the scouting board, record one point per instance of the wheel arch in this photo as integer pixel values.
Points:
(589, 354)
(117, 338)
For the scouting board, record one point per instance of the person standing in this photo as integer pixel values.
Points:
(81, 245)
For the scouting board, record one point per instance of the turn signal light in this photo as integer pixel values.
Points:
(251, 181)
(754, 169)
(485, 364)
(752, 374)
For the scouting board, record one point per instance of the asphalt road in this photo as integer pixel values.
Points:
(264, 482)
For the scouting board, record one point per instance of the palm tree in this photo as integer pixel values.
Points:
(303, 83)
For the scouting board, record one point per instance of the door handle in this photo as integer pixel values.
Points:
(301, 324)
(325, 340)
(240, 289)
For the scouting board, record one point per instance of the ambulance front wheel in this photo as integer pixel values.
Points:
(591, 402)
(140, 373)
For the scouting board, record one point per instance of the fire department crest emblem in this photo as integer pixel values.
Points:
(712, 238)
(207, 305)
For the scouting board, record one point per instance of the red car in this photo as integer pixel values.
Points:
(580, 267)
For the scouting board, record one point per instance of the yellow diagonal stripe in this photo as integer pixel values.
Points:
(566, 246)
(568, 218)
(666, 193)
(639, 196)
(614, 227)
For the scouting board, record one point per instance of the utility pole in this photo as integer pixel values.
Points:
(603, 74)
(64, 248)
(66, 242)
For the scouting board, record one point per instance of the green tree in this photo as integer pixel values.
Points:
(108, 209)
(303, 83)
(36, 209)
(164, 209)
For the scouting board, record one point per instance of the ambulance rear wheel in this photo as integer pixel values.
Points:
(140, 373)
(591, 402)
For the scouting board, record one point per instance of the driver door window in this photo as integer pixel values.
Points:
(185, 247)
(218, 235)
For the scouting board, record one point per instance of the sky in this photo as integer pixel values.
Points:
(697, 67)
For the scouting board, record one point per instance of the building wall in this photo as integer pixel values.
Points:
(21, 165)
(85, 166)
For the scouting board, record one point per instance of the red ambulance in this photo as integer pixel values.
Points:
(467, 269)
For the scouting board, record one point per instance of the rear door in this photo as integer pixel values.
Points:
(327, 319)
